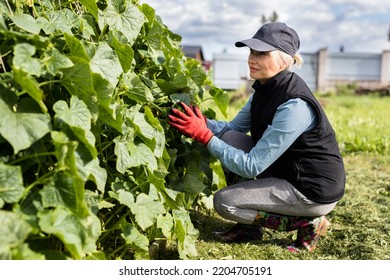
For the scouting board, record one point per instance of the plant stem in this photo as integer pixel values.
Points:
(115, 226)
(103, 32)
(156, 106)
(114, 214)
(2, 63)
(48, 82)
(37, 182)
(9, 7)
(31, 156)
(117, 250)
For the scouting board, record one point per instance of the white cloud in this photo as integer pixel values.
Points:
(358, 25)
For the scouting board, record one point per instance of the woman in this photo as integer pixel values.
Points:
(291, 157)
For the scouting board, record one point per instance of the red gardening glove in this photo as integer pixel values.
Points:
(191, 123)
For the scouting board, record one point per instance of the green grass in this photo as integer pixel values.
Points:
(361, 122)
(360, 227)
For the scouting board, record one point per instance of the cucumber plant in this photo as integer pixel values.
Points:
(89, 167)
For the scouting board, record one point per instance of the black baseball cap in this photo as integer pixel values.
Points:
(273, 36)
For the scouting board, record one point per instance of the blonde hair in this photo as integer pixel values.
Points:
(287, 61)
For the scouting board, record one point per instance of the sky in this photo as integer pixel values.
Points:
(359, 25)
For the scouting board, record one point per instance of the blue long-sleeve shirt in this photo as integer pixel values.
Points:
(290, 120)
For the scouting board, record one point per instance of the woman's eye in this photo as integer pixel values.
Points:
(257, 53)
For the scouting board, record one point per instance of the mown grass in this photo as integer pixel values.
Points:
(360, 222)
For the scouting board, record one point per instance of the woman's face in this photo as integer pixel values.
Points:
(262, 66)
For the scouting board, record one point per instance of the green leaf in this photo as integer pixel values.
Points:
(76, 48)
(123, 16)
(63, 20)
(158, 134)
(221, 98)
(196, 72)
(206, 202)
(149, 12)
(78, 80)
(110, 110)
(123, 159)
(78, 117)
(23, 59)
(123, 50)
(135, 89)
(157, 56)
(65, 152)
(27, 22)
(91, 7)
(96, 174)
(154, 39)
(193, 179)
(125, 197)
(66, 190)
(11, 183)
(142, 155)
(23, 252)
(78, 235)
(166, 86)
(50, 197)
(70, 158)
(22, 130)
(136, 240)
(13, 231)
(55, 61)
(219, 179)
(182, 97)
(3, 26)
(145, 209)
(170, 197)
(87, 27)
(106, 63)
(185, 232)
(179, 81)
(31, 86)
(166, 224)
(152, 135)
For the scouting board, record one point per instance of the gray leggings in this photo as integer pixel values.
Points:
(242, 201)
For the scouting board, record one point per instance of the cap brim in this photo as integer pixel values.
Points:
(256, 45)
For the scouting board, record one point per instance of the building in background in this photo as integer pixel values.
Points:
(230, 71)
(321, 70)
(196, 52)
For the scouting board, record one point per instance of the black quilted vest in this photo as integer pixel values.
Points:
(313, 163)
